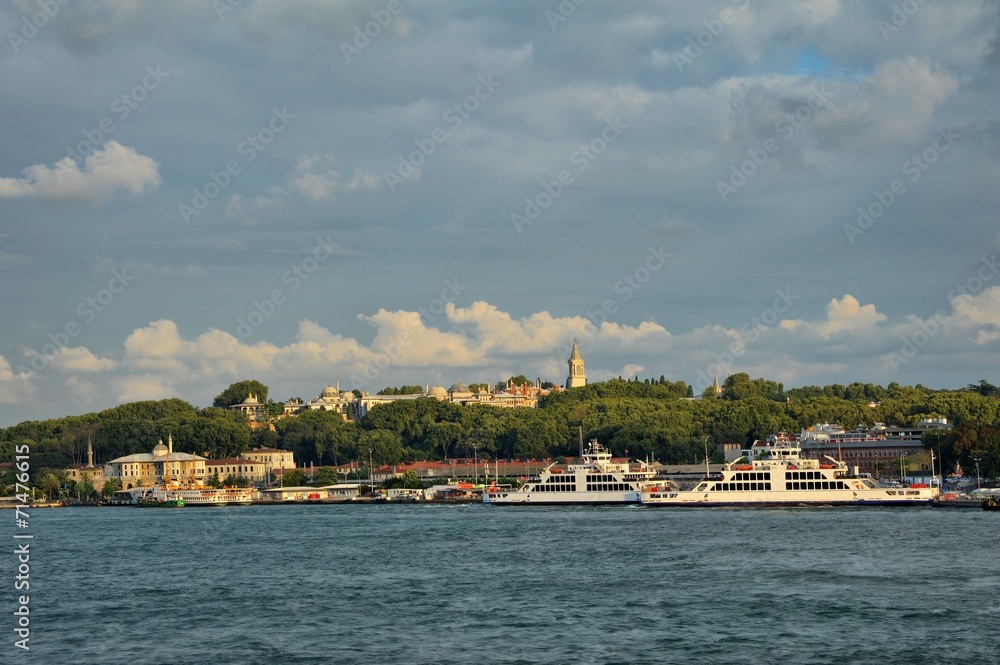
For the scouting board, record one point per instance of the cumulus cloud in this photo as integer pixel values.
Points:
(80, 359)
(844, 314)
(104, 172)
(15, 387)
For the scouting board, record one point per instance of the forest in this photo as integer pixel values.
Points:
(650, 419)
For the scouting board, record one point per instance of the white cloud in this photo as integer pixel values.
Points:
(80, 359)
(15, 388)
(105, 171)
(315, 178)
(844, 314)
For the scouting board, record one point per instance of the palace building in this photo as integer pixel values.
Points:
(162, 465)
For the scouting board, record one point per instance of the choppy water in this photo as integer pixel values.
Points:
(486, 584)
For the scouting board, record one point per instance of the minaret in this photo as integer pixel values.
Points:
(170, 443)
(577, 376)
(90, 454)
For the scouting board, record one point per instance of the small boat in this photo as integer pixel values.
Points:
(992, 503)
(149, 500)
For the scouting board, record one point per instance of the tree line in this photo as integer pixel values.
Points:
(649, 419)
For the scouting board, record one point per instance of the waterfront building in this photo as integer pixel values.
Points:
(271, 458)
(240, 467)
(577, 376)
(160, 466)
(340, 492)
(81, 472)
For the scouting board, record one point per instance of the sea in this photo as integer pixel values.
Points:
(468, 583)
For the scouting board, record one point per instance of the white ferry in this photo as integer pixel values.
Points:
(778, 475)
(595, 479)
(207, 496)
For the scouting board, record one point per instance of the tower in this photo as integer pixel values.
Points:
(717, 387)
(577, 376)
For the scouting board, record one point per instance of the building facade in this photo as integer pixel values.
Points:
(271, 458)
(162, 465)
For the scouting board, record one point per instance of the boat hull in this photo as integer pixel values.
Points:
(564, 499)
(872, 497)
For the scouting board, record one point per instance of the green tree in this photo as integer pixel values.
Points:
(293, 478)
(49, 484)
(215, 481)
(111, 486)
(239, 391)
(325, 475)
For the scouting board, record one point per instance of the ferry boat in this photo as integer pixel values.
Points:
(594, 479)
(777, 475)
(208, 496)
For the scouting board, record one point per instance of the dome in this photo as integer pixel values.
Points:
(438, 392)
(159, 450)
(330, 392)
(458, 387)
(347, 396)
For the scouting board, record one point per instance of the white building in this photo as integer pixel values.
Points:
(163, 465)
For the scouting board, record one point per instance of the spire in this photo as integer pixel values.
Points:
(575, 355)
(717, 387)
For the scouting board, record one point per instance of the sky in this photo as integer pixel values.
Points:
(394, 192)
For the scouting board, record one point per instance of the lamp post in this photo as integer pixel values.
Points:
(475, 458)
(979, 484)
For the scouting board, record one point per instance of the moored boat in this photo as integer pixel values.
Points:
(778, 475)
(152, 500)
(594, 479)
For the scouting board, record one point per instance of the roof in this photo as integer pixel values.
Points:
(266, 450)
(139, 458)
(575, 355)
(231, 461)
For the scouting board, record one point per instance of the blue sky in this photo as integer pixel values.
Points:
(193, 194)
